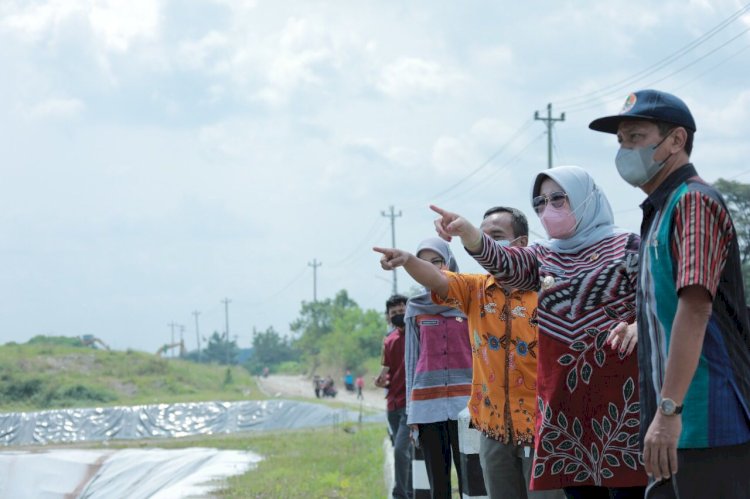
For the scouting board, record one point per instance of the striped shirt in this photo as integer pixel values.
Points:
(689, 240)
(587, 399)
(438, 368)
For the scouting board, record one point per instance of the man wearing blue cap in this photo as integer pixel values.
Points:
(693, 326)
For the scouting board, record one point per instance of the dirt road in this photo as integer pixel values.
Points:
(280, 386)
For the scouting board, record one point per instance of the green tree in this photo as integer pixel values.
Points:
(269, 350)
(315, 322)
(219, 350)
(338, 332)
(356, 336)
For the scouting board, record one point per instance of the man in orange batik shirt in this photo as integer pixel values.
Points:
(503, 335)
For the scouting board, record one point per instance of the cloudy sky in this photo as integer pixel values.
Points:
(159, 156)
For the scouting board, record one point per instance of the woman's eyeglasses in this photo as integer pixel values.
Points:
(556, 199)
(437, 262)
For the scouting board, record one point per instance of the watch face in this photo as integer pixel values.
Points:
(667, 406)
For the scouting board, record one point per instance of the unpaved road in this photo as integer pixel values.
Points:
(280, 386)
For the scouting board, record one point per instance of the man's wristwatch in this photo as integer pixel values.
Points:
(668, 407)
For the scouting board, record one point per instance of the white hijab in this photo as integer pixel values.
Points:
(594, 219)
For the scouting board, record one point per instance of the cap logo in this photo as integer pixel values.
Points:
(629, 103)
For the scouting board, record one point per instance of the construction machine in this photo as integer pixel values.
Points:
(92, 341)
(169, 346)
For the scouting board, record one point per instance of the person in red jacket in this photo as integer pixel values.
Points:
(392, 376)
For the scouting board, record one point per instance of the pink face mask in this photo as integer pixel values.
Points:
(560, 223)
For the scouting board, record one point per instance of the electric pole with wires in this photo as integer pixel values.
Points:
(392, 215)
(549, 122)
(315, 264)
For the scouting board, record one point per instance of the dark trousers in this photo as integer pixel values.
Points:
(591, 492)
(718, 473)
(439, 442)
(402, 487)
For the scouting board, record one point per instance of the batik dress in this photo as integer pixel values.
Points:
(587, 394)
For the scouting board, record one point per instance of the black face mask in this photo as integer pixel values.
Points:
(398, 320)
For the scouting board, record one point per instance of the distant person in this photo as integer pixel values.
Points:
(438, 374)
(360, 382)
(317, 385)
(349, 381)
(392, 377)
(329, 390)
(693, 326)
(502, 329)
(586, 442)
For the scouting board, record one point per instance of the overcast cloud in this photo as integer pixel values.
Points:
(159, 156)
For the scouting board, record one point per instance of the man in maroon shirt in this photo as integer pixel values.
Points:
(393, 378)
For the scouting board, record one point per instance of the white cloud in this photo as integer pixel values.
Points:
(302, 53)
(32, 22)
(409, 77)
(450, 153)
(204, 53)
(498, 55)
(731, 119)
(118, 22)
(115, 22)
(56, 108)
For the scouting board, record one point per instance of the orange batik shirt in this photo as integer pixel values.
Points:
(503, 335)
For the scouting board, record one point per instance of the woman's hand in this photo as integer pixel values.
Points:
(624, 336)
(392, 258)
(452, 224)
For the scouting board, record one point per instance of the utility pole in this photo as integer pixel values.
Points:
(172, 325)
(392, 215)
(182, 340)
(549, 122)
(226, 302)
(197, 334)
(315, 264)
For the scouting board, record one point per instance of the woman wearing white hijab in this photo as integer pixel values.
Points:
(438, 374)
(587, 393)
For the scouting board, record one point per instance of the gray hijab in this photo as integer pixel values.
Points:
(422, 303)
(594, 219)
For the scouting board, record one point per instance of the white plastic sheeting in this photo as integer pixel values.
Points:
(132, 473)
(166, 420)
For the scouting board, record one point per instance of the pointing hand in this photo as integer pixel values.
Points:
(392, 258)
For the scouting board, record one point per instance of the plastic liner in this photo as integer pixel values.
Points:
(132, 473)
(167, 421)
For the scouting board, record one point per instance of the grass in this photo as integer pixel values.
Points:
(40, 376)
(310, 463)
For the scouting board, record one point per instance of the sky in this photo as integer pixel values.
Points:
(160, 156)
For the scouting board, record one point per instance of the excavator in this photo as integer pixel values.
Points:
(92, 341)
(169, 346)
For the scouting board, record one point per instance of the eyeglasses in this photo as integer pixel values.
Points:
(557, 199)
(437, 262)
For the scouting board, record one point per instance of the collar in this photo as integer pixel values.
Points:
(660, 195)
(492, 282)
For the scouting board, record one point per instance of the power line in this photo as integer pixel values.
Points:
(486, 181)
(486, 162)
(360, 245)
(720, 63)
(583, 107)
(658, 65)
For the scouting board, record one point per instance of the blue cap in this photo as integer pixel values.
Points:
(650, 105)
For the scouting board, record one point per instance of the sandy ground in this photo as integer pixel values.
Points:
(280, 386)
